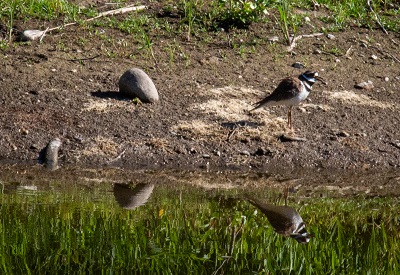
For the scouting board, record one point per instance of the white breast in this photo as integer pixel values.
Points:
(304, 91)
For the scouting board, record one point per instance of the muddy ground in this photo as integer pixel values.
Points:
(66, 87)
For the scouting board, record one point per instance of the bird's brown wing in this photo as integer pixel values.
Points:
(286, 89)
(278, 216)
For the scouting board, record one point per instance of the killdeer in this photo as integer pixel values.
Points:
(290, 91)
(284, 219)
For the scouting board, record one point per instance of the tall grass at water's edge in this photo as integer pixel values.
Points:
(182, 232)
(196, 16)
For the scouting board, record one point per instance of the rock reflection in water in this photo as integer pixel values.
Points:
(131, 198)
(284, 219)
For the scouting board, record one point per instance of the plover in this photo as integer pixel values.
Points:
(290, 91)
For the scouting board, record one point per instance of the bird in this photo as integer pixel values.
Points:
(290, 91)
(285, 220)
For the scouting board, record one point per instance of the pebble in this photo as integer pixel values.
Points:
(330, 36)
(317, 51)
(136, 83)
(361, 134)
(245, 153)
(374, 57)
(24, 131)
(386, 79)
(307, 19)
(343, 134)
(286, 138)
(365, 85)
(273, 39)
(298, 65)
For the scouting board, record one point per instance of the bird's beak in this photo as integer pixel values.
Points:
(321, 79)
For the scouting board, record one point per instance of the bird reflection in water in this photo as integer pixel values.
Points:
(284, 219)
(131, 198)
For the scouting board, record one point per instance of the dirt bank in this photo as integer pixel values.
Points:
(51, 89)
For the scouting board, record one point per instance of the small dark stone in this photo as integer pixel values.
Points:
(286, 138)
(298, 65)
(263, 152)
(343, 134)
(395, 144)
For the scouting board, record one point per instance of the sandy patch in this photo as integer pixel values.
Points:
(232, 106)
(197, 128)
(104, 106)
(350, 97)
(101, 146)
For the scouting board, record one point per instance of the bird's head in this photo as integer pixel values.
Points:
(301, 235)
(311, 77)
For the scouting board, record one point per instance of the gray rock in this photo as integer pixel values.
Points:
(31, 35)
(129, 198)
(51, 158)
(136, 83)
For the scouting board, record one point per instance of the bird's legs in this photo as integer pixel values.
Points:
(286, 194)
(290, 117)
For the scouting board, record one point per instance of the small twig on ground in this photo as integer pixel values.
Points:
(83, 59)
(386, 53)
(348, 52)
(376, 17)
(296, 38)
(117, 158)
(102, 14)
(393, 57)
(231, 134)
(43, 34)
(234, 130)
(379, 22)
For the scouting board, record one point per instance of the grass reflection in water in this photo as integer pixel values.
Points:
(182, 230)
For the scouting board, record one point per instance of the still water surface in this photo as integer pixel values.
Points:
(119, 222)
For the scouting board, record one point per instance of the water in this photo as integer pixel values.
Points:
(115, 221)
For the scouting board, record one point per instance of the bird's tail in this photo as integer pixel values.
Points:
(256, 106)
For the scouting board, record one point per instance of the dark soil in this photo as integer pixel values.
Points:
(206, 87)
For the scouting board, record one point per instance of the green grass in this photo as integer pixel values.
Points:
(199, 22)
(197, 16)
(82, 230)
